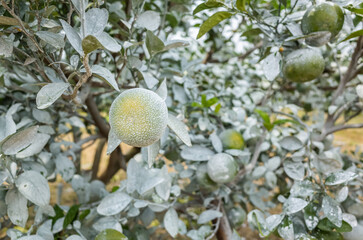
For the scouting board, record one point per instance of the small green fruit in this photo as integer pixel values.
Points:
(138, 117)
(222, 168)
(232, 139)
(323, 17)
(303, 65)
(237, 216)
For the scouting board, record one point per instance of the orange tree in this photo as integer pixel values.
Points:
(281, 76)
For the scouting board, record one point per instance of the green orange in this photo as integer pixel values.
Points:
(222, 168)
(303, 65)
(232, 139)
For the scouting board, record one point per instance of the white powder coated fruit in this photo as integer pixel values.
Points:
(222, 168)
(138, 117)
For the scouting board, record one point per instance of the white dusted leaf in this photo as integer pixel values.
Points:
(74, 237)
(291, 143)
(180, 129)
(359, 90)
(16, 206)
(293, 205)
(340, 177)
(72, 36)
(162, 91)
(273, 221)
(42, 116)
(7, 126)
(48, 94)
(112, 142)
(65, 167)
(96, 21)
(171, 222)
(19, 141)
(105, 75)
(332, 211)
(271, 66)
(6, 46)
(152, 152)
(197, 153)
(108, 42)
(37, 145)
(113, 203)
(294, 170)
(216, 142)
(149, 20)
(209, 215)
(34, 187)
(54, 39)
(163, 189)
(149, 79)
(342, 194)
(107, 223)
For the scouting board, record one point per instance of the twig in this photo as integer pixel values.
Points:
(343, 127)
(217, 223)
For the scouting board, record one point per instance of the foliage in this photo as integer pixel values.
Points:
(64, 62)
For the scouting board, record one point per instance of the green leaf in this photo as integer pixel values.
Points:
(355, 10)
(207, 5)
(110, 234)
(70, 216)
(54, 39)
(211, 101)
(241, 5)
(204, 100)
(90, 43)
(212, 21)
(283, 121)
(8, 21)
(252, 32)
(153, 43)
(58, 214)
(266, 119)
(353, 35)
(218, 107)
(84, 214)
(327, 225)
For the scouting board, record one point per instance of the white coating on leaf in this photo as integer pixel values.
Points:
(138, 117)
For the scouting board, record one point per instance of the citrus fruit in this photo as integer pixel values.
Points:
(237, 216)
(232, 139)
(323, 17)
(138, 117)
(203, 178)
(303, 65)
(222, 168)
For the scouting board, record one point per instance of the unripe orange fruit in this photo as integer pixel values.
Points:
(138, 117)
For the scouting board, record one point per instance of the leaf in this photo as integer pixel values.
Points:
(171, 222)
(353, 35)
(8, 21)
(70, 216)
(7, 126)
(293, 205)
(54, 39)
(180, 129)
(358, 11)
(149, 20)
(37, 145)
(273, 221)
(340, 177)
(90, 43)
(110, 234)
(213, 21)
(266, 119)
(310, 217)
(112, 142)
(105, 75)
(271, 66)
(163, 189)
(294, 170)
(328, 226)
(359, 90)
(6, 46)
(152, 152)
(149, 79)
(50, 93)
(175, 44)
(34, 187)
(107, 223)
(80, 5)
(209, 215)
(74, 237)
(286, 229)
(108, 42)
(113, 203)
(291, 143)
(19, 141)
(65, 167)
(31, 237)
(16, 207)
(241, 5)
(153, 43)
(332, 211)
(208, 5)
(95, 21)
(162, 90)
(216, 142)
(72, 36)
(196, 153)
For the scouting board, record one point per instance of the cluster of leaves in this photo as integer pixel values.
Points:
(64, 62)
